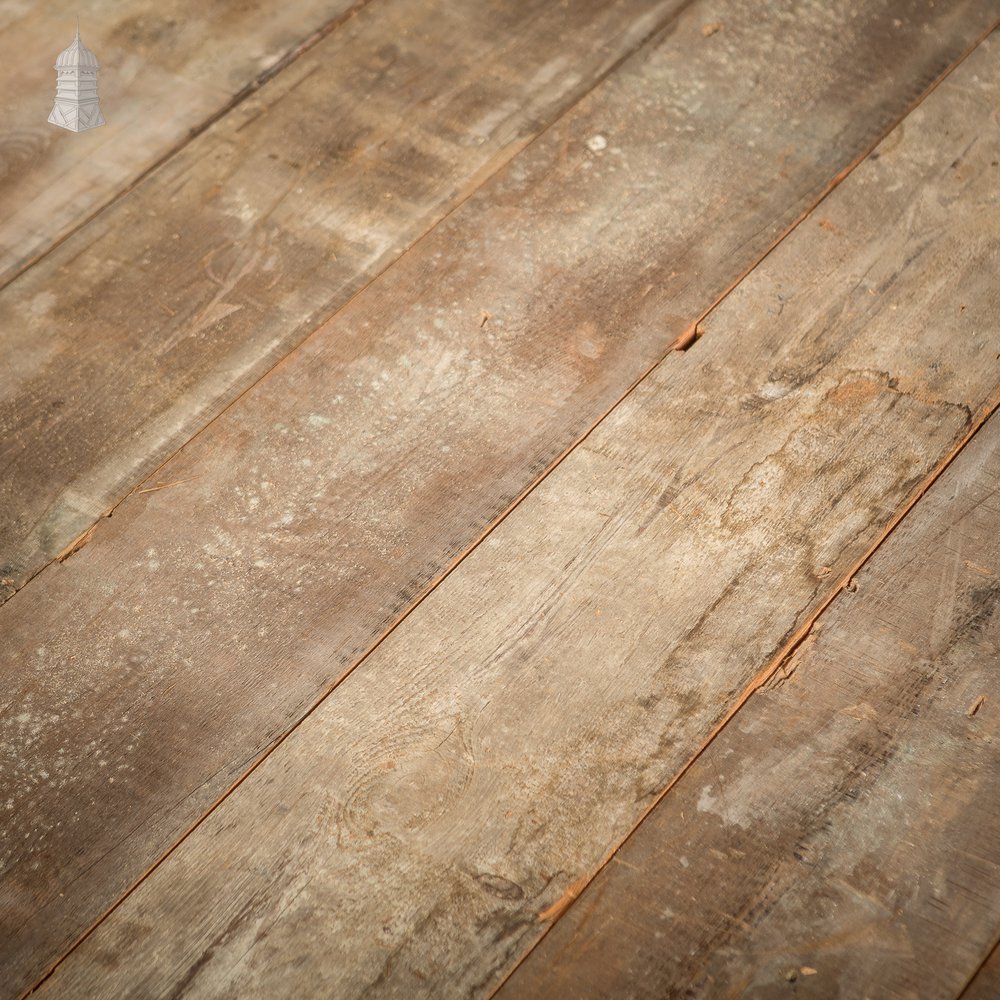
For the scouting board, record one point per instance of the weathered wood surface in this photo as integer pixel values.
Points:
(168, 67)
(308, 520)
(138, 329)
(405, 838)
(846, 821)
(985, 985)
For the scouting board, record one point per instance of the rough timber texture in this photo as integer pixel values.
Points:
(167, 67)
(405, 838)
(136, 331)
(203, 619)
(985, 985)
(846, 820)
(139, 329)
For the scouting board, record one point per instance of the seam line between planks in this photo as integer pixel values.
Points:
(436, 581)
(577, 888)
(194, 131)
(990, 953)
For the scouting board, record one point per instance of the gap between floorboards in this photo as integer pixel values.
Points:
(648, 40)
(992, 953)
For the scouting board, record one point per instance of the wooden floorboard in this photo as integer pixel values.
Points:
(205, 618)
(985, 984)
(839, 838)
(420, 828)
(139, 328)
(167, 68)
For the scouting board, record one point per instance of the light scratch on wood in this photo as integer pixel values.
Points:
(165, 486)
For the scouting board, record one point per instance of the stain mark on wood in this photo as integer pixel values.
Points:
(807, 829)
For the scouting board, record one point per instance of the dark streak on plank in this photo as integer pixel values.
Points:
(401, 840)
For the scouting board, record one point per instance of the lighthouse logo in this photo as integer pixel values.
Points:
(76, 106)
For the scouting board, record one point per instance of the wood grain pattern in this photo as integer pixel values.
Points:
(167, 68)
(845, 822)
(202, 621)
(138, 329)
(405, 838)
(985, 985)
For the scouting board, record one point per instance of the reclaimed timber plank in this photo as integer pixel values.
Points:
(139, 328)
(839, 837)
(413, 835)
(985, 985)
(168, 68)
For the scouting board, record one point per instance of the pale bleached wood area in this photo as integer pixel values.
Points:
(502, 497)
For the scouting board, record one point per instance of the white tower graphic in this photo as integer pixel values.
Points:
(76, 106)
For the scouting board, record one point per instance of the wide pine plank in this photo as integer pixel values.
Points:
(168, 67)
(416, 832)
(846, 821)
(138, 329)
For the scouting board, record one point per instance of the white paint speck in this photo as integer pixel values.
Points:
(42, 303)
(706, 801)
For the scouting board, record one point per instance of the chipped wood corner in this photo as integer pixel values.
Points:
(77, 543)
(84, 537)
(694, 332)
(785, 670)
(565, 901)
(973, 710)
